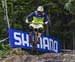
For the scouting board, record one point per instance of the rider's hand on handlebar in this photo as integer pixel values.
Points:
(26, 21)
(46, 22)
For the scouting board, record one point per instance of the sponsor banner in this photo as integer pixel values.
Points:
(20, 39)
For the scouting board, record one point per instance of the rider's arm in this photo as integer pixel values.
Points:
(47, 20)
(29, 17)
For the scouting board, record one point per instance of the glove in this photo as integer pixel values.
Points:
(26, 21)
(46, 22)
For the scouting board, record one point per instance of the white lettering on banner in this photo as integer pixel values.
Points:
(21, 39)
(17, 38)
(51, 44)
(45, 42)
(55, 46)
(25, 41)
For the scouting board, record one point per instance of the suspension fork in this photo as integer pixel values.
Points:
(35, 38)
(34, 42)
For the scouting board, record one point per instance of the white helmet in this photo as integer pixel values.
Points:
(40, 8)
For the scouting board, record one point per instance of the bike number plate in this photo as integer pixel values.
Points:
(36, 26)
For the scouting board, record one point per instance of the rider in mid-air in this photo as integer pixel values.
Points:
(38, 16)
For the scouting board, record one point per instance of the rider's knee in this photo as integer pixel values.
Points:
(40, 30)
(30, 28)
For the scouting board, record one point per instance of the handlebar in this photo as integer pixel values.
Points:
(35, 23)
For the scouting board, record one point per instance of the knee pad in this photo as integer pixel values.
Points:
(40, 30)
(30, 28)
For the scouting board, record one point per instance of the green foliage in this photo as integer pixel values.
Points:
(70, 5)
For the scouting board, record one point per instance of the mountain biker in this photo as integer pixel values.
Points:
(38, 16)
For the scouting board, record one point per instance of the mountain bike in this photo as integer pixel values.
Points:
(34, 36)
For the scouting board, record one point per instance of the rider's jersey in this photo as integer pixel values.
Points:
(37, 18)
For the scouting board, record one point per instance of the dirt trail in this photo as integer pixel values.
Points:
(44, 57)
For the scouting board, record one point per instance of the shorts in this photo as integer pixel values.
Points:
(40, 28)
